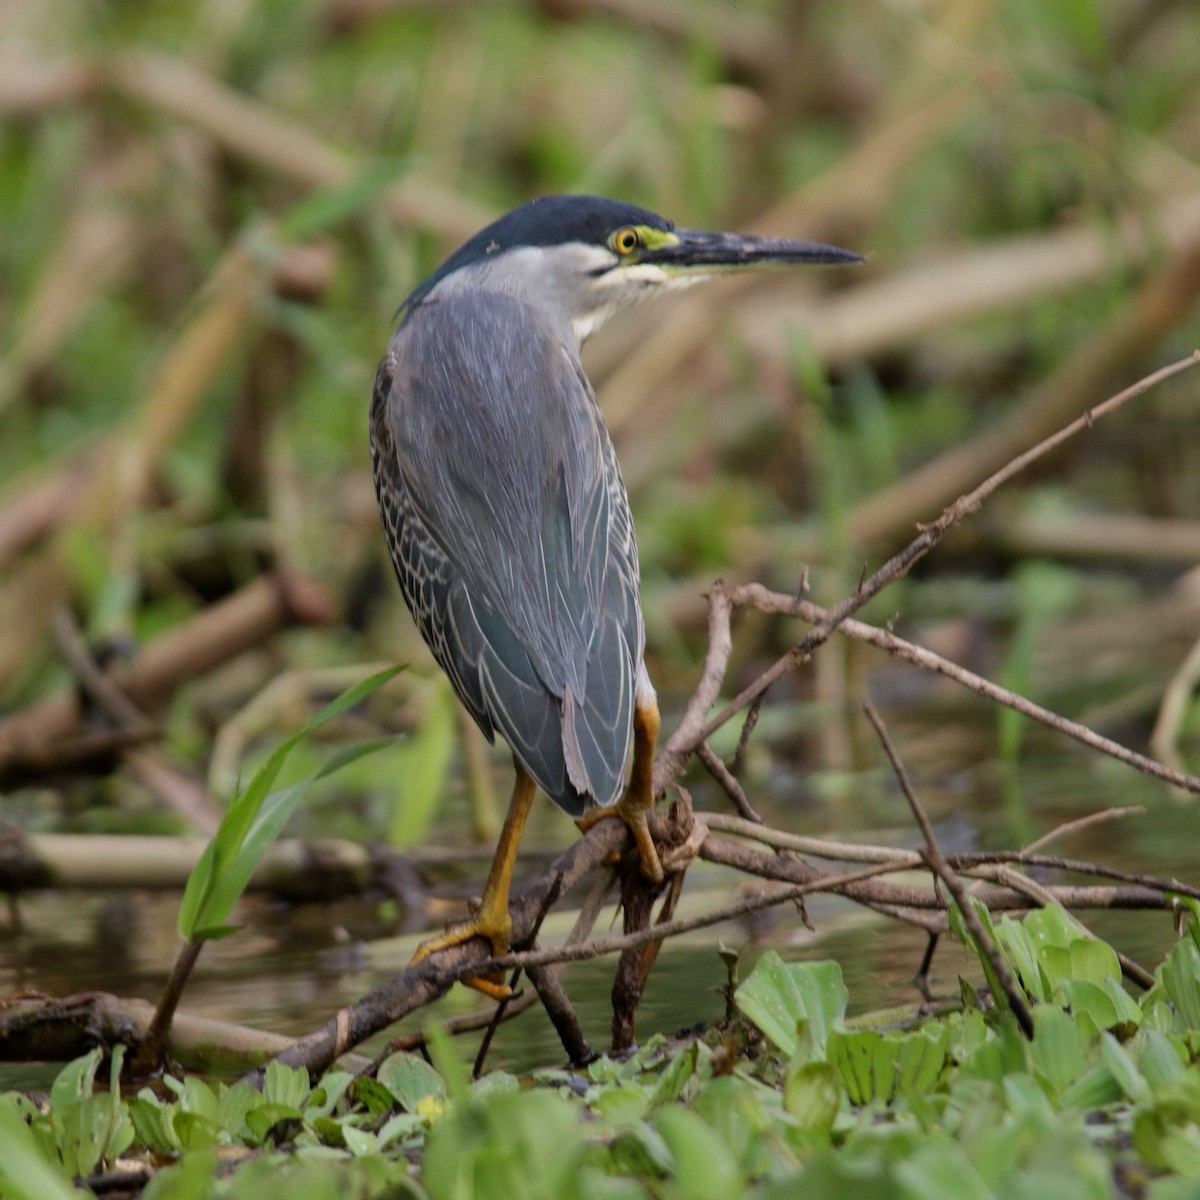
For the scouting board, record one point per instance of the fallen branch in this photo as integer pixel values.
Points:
(220, 632)
(39, 1028)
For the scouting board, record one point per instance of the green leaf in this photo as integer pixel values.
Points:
(813, 1096)
(410, 1079)
(526, 1144)
(703, 1165)
(25, 1172)
(196, 1132)
(1122, 1067)
(254, 820)
(286, 1085)
(1180, 976)
(448, 1062)
(865, 1063)
(779, 996)
(423, 763)
(941, 1172)
(359, 1141)
(1058, 1051)
(189, 1179)
(1160, 1060)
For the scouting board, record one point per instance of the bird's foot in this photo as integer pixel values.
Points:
(633, 810)
(489, 922)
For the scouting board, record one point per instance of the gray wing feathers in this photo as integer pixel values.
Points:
(495, 487)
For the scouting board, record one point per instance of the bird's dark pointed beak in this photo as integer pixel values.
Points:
(687, 250)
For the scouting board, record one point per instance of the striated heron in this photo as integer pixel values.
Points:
(506, 517)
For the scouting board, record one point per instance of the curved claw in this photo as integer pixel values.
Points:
(480, 924)
(633, 814)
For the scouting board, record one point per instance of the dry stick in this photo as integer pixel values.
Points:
(38, 1028)
(418, 986)
(724, 776)
(81, 754)
(216, 634)
(728, 912)
(937, 862)
(1068, 828)
(166, 780)
(687, 736)
(900, 564)
(967, 862)
(756, 596)
(430, 979)
(1149, 894)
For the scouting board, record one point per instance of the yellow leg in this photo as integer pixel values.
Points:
(492, 919)
(638, 799)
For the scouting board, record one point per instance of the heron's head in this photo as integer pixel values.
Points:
(584, 258)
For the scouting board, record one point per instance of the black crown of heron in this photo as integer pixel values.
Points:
(504, 510)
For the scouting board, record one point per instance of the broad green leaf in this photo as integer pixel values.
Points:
(1022, 952)
(448, 1062)
(1108, 1007)
(527, 1144)
(813, 1096)
(1096, 1088)
(922, 1059)
(75, 1081)
(1180, 976)
(779, 996)
(410, 1079)
(196, 1132)
(191, 1178)
(285, 1085)
(865, 1063)
(1058, 1051)
(1124, 1071)
(25, 1172)
(941, 1172)
(262, 1120)
(702, 1163)
(1160, 1061)
(233, 1106)
(359, 1141)
(325, 1096)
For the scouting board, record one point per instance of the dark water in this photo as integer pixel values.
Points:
(292, 968)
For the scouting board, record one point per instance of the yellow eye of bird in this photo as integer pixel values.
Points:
(626, 241)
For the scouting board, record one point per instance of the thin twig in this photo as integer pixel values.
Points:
(1069, 828)
(716, 767)
(728, 912)
(937, 862)
(900, 564)
(756, 596)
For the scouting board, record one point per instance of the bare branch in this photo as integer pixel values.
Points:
(937, 862)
